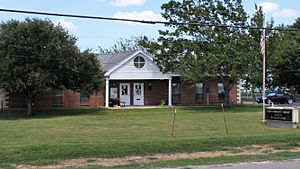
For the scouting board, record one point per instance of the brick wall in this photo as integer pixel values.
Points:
(3, 99)
(2, 95)
(154, 92)
(16, 101)
(188, 93)
(70, 99)
(43, 100)
(157, 92)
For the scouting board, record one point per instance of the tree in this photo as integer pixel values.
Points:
(36, 55)
(198, 51)
(285, 68)
(253, 78)
(122, 45)
(89, 76)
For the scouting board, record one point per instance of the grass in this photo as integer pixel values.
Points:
(54, 135)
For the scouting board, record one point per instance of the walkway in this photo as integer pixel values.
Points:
(293, 164)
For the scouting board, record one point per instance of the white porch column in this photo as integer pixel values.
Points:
(106, 92)
(170, 91)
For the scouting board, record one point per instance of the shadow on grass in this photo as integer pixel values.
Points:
(16, 114)
(217, 108)
(20, 114)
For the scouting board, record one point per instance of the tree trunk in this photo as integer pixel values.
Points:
(227, 100)
(29, 104)
(253, 94)
(228, 84)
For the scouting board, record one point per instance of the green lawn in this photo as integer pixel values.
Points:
(54, 135)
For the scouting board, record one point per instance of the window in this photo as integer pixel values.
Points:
(57, 97)
(84, 99)
(138, 89)
(124, 90)
(113, 92)
(199, 92)
(221, 91)
(271, 94)
(207, 89)
(175, 93)
(139, 62)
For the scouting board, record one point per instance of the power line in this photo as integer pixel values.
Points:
(140, 21)
(79, 16)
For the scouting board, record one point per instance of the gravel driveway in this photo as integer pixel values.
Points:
(293, 164)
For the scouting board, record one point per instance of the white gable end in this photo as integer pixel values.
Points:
(129, 71)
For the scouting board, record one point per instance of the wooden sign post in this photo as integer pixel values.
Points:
(224, 118)
(173, 123)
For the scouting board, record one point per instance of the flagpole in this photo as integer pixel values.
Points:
(264, 77)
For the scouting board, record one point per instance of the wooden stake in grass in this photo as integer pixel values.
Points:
(173, 124)
(224, 118)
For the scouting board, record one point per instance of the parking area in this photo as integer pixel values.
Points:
(297, 104)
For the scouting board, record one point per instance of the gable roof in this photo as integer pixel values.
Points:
(109, 61)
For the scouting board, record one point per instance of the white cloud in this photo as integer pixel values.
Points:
(121, 3)
(276, 11)
(66, 24)
(144, 15)
(285, 13)
(269, 7)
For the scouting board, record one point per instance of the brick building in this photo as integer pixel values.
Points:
(135, 79)
(3, 99)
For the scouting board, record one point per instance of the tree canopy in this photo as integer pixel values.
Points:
(285, 62)
(253, 79)
(200, 52)
(36, 55)
(122, 45)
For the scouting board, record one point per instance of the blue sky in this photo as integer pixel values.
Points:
(93, 33)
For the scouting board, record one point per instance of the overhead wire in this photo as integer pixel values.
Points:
(141, 21)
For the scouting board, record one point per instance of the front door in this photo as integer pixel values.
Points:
(125, 93)
(138, 94)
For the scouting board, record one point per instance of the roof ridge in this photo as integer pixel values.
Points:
(129, 51)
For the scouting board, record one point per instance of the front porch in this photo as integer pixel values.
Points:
(141, 107)
(139, 92)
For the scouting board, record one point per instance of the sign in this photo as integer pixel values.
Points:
(279, 114)
(286, 117)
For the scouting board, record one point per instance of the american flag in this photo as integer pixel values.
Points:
(263, 42)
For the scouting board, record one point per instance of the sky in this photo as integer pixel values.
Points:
(94, 33)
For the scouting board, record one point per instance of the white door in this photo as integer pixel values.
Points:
(125, 93)
(138, 93)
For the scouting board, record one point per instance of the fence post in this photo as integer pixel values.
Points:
(224, 118)
(173, 124)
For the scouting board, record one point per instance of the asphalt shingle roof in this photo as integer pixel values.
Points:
(109, 61)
